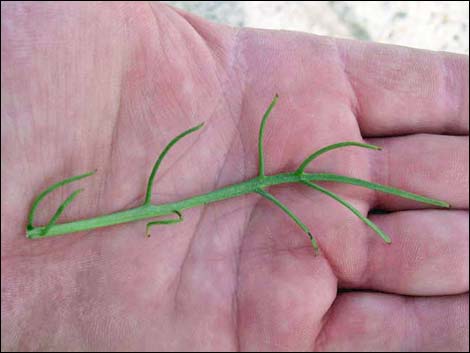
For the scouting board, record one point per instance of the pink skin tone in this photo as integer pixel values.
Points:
(106, 86)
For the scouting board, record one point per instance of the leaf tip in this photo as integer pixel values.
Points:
(90, 173)
(275, 99)
(442, 204)
(76, 192)
(314, 243)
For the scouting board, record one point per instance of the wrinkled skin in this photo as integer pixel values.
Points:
(106, 86)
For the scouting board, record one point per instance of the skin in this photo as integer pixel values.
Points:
(107, 85)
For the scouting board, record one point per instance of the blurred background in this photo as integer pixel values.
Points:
(434, 25)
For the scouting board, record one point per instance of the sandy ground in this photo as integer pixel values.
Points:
(435, 25)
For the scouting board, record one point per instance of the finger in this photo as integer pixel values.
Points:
(402, 90)
(378, 322)
(428, 255)
(430, 165)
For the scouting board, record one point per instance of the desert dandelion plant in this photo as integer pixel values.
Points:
(258, 185)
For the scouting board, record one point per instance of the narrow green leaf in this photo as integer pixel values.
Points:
(61, 209)
(354, 210)
(148, 194)
(316, 154)
(164, 221)
(296, 219)
(43, 194)
(261, 135)
(374, 186)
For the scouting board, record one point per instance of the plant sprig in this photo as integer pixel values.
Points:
(257, 185)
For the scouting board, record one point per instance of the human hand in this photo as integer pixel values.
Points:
(108, 85)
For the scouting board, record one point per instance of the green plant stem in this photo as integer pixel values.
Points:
(255, 185)
(251, 186)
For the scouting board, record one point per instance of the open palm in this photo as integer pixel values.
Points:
(108, 85)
